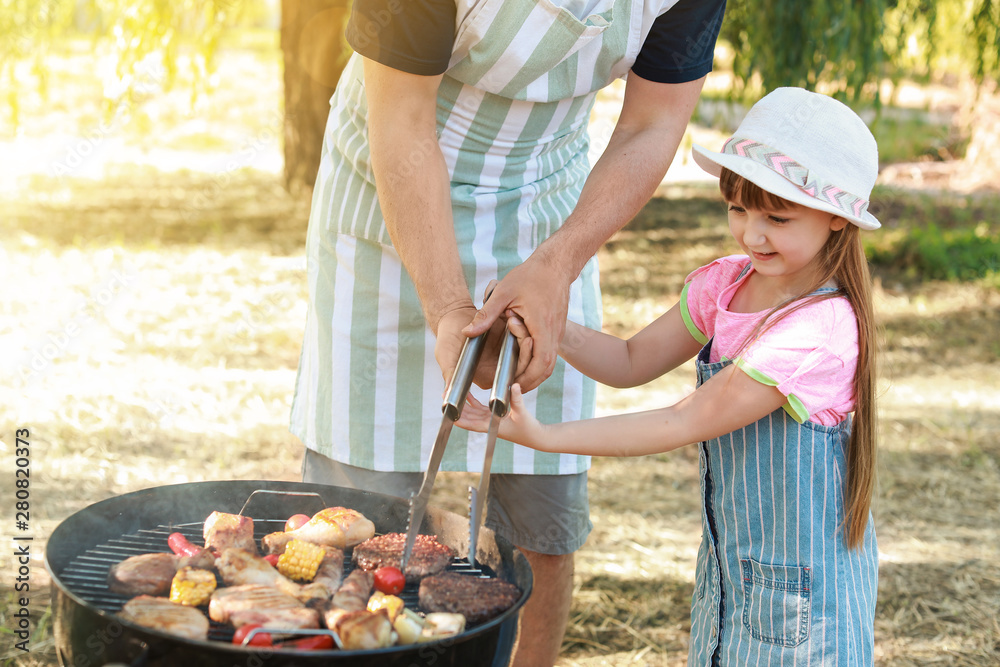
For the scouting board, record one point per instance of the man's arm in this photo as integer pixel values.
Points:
(652, 122)
(412, 182)
(414, 194)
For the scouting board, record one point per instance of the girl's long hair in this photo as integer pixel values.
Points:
(843, 261)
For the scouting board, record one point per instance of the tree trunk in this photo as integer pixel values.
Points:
(314, 53)
(981, 170)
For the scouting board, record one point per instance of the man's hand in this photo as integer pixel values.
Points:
(537, 293)
(451, 339)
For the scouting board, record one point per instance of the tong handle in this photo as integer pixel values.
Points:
(506, 366)
(461, 379)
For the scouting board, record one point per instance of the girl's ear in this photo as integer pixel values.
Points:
(837, 223)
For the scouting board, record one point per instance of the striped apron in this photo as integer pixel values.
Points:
(775, 584)
(512, 116)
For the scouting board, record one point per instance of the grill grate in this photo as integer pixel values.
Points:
(87, 574)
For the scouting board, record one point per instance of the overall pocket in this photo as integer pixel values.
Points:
(776, 604)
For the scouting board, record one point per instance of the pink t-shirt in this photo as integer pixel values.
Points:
(810, 355)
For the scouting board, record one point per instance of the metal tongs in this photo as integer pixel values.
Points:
(454, 402)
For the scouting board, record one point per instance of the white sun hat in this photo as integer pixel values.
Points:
(804, 147)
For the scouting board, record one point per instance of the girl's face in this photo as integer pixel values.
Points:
(783, 243)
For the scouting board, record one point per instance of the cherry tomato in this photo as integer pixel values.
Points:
(314, 643)
(296, 521)
(389, 580)
(259, 639)
(272, 559)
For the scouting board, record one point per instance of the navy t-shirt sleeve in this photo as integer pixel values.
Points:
(417, 36)
(414, 36)
(681, 44)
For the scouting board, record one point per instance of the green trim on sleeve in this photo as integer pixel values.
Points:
(686, 316)
(794, 406)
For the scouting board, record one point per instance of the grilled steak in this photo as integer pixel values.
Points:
(229, 531)
(148, 574)
(232, 600)
(162, 614)
(429, 556)
(477, 599)
(277, 619)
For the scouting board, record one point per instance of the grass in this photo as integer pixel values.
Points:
(151, 320)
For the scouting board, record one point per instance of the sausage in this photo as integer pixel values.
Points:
(181, 546)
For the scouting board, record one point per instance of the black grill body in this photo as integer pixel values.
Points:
(83, 547)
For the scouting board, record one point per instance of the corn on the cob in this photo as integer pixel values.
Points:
(192, 587)
(391, 603)
(300, 560)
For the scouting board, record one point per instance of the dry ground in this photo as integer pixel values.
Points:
(150, 321)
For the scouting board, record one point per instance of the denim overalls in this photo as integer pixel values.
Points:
(775, 583)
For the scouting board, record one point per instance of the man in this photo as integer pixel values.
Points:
(456, 153)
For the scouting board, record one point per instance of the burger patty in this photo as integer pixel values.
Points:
(429, 556)
(477, 598)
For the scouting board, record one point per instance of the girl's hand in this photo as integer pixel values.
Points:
(518, 426)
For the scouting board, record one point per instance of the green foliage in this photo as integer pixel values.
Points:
(931, 253)
(909, 137)
(806, 42)
(937, 238)
(845, 46)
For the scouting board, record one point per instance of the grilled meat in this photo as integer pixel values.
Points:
(229, 531)
(351, 597)
(477, 599)
(240, 605)
(239, 567)
(148, 574)
(331, 570)
(294, 618)
(429, 556)
(162, 614)
(334, 527)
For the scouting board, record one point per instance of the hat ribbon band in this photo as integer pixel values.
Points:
(797, 175)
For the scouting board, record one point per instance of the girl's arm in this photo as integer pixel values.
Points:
(658, 348)
(728, 401)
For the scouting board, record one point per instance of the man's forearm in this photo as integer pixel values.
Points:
(620, 184)
(653, 121)
(413, 186)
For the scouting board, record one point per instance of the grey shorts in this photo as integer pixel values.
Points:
(548, 514)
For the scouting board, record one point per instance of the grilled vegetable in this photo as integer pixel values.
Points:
(392, 604)
(192, 587)
(441, 624)
(389, 580)
(259, 639)
(300, 560)
(366, 630)
(408, 626)
(296, 521)
(314, 643)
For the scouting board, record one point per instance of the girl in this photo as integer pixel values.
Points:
(784, 411)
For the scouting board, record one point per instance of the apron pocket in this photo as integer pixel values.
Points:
(776, 602)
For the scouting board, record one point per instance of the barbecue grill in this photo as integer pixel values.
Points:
(83, 547)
